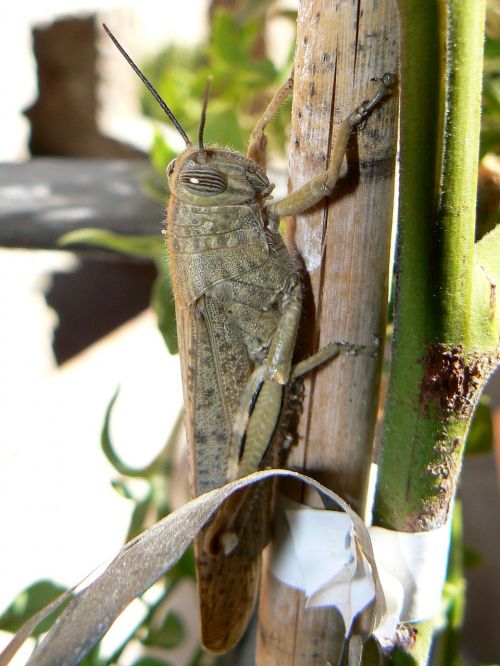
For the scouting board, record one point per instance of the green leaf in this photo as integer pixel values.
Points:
(170, 633)
(122, 489)
(161, 153)
(27, 603)
(136, 246)
(223, 127)
(480, 437)
(138, 520)
(185, 566)
(228, 42)
(109, 451)
(485, 299)
(162, 301)
(150, 661)
(472, 557)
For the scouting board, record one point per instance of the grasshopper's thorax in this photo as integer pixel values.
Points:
(216, 177)
(215, 221)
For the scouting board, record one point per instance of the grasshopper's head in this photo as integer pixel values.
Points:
(216, 177)
(207, 176)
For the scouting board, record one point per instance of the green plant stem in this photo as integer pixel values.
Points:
(438, 369)
(429, 406)
(456, 212)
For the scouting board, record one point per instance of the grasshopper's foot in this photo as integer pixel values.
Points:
(333, 350)
(360, 114)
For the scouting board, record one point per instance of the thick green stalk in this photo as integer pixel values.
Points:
(431, 393)
(439, 364)
(455, 217)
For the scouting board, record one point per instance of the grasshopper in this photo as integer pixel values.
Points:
(238, 303)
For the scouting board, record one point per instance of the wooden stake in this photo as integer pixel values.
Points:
(344, 246)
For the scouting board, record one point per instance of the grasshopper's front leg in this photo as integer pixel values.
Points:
(322, 186)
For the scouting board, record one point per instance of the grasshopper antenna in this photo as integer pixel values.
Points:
(204, 112)
(149, 86)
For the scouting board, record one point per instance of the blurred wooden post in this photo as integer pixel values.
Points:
(344, 246)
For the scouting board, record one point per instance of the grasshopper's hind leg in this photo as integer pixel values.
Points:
(258, 426)
(262, 421)
(258, 140)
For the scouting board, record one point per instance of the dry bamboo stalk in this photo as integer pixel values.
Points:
(344, 245)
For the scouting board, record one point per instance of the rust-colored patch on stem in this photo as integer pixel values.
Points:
(452, 381)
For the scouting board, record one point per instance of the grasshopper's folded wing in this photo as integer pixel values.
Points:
(215, 370)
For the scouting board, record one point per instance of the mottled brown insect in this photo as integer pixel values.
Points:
(238, 303)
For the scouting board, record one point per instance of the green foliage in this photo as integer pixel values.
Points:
(490, 130)
(151, 497)
(162, 302)
(237, 95)
(169, 634)
(480, 437)
(144, 247)
(28, 602)
(151, 503)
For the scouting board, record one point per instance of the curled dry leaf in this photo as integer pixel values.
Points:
(140, 563)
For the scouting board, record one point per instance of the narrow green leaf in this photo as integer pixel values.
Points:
(170, 633)
(162, 301)
(150, 661)
(27, 603)
(109, 451)
(150, 247)
(138, 520)
(122, 489)
(480, 437)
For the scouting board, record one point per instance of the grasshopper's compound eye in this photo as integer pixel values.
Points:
(203, 180)
(170, 168)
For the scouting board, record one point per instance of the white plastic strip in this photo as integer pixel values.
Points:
(315, 551)
(417, 561)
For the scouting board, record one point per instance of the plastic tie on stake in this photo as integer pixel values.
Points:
(317, 551)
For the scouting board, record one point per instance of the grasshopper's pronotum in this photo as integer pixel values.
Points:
(238, 303)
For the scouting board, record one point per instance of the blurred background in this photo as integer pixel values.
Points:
(90, 392)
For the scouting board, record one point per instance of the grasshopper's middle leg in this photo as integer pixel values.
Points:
(258, 424)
